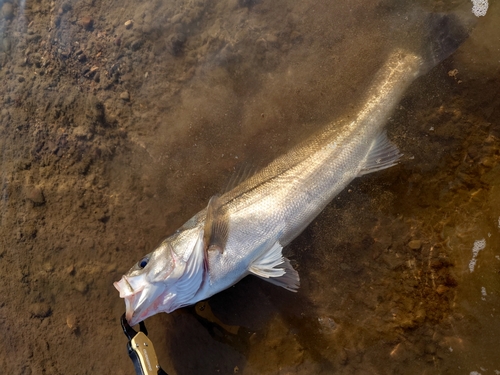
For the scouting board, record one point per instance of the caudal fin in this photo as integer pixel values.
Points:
(444, 33)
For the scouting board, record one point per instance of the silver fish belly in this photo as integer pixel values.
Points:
(243, 231)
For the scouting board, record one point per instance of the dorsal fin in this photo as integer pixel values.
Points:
(241, 174)
(216, 226)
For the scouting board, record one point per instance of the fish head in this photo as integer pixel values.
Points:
(165, 279)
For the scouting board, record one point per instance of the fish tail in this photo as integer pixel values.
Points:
(444, 33)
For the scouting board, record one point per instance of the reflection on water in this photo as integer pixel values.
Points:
(120, 119)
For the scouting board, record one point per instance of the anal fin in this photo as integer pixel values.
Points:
(383, 154)
(265, 267)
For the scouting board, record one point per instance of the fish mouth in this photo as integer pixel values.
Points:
(124, 287)
(134, 299)
(133, 314)
(141, 302)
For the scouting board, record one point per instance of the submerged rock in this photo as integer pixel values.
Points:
(40, 310)
(415, 244)
(35, 195)
(8, 10)
(125, 96)
(87, 22)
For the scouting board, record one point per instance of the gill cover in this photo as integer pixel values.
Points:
(164, 280)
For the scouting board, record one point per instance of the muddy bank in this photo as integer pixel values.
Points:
(120, 119)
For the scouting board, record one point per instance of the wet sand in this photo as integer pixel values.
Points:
(118, 122)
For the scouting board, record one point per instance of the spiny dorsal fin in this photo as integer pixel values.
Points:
(216, 226)
(383, 154)
(265, 267)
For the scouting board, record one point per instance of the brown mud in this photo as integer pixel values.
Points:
(118, 121)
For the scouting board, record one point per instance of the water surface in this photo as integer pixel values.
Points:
(120, 119)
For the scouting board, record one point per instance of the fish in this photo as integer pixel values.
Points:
(243, 231)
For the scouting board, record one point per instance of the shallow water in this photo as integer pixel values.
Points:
(113, 134)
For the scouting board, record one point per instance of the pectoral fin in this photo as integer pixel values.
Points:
(383, 154)
(266, 268)
(216, 226)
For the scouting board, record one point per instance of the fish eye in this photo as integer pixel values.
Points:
(143, 262)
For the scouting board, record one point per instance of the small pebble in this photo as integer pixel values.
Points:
(81, 132)
(327, 324)
(7, 10)
(87, 22)
(261, 45)
(271, 39)
(64, 53)
(420, 315)
(441, 289)
(35, 195)
(392, 261)
(344, 266)
(82, 287)
(176, 18)
(415, 244)
(125, 96)
(488, 162)
(48, 267)
(111, 268)
(6, 44)
(176, 43)
(128, 24)
(40, 310)
(70, 270)
(72, 322)
(136, 44)
(33, 38)
(66, 7)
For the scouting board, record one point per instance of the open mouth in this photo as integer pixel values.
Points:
(141, 302)
(123, 286)
(129, 311)
(132, 299)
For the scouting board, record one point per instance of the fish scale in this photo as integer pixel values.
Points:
(315, 172)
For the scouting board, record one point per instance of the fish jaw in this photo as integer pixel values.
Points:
(143, 302)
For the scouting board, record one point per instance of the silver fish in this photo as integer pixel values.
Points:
(243, 231)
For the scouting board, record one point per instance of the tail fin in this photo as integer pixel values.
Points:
(445, 32)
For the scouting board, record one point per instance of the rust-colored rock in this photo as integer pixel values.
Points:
(35, 195)
(87, 22)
